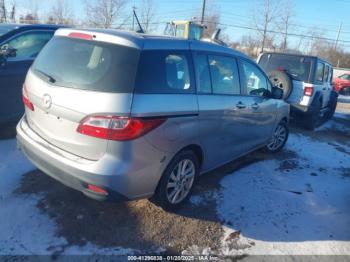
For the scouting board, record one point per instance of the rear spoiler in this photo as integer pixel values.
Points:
(114, 36)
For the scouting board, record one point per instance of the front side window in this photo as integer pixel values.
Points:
(224, 75)
(255, 81)
(28, 45)
(320, 72)
(163, 72)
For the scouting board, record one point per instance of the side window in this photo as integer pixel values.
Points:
(202, 74)
(326, 74)
(255, 81)
(177, 73)
(29, 45)
(320, 72)
(164, 72)
(224, 75)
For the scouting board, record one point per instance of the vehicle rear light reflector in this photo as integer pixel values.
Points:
(97, 190)
(117, 128)
(80, 36)
(308, 90)
(26, 100)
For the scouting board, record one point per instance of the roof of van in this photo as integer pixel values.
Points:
(149, 42)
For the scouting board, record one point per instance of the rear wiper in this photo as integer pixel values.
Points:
(49, 77)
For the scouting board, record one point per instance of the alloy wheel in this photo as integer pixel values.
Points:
(180, 181)
(278, 138)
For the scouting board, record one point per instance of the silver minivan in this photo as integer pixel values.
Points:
(121, 115)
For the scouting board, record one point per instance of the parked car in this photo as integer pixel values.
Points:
(120, 115)
(19, 45)
(307, 85)
(342, 84)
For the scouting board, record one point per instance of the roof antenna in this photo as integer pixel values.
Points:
(141, 31)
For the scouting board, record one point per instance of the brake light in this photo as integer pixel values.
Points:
(117, 128)
(80, 36)
(308, 90)
(26, 100)
(97, 189)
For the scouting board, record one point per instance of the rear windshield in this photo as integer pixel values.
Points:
(298, 67)
(88, 65)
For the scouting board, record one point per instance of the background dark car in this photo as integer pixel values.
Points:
(19, 45)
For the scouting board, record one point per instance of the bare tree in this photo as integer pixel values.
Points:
(212, 22)
(13, 12)
(29, 18)
(265, 15)
(3, 12)
(105, 13)
(286, 20)
(61, 13)
(147, 15)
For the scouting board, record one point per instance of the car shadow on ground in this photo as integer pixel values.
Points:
(143, 226)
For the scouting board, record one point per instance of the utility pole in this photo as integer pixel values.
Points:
(203, 11)
(338, 34)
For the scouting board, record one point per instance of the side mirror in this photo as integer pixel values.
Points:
(8, 51)
(5, 52)
(276, 93)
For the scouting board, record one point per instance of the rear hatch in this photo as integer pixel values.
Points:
(75, 76)
(299, 67)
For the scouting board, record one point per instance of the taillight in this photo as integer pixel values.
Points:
(308, 90)
(26, 100)
(80, 36)
(97, 189)
(117, 128)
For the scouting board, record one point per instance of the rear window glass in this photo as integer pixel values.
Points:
(298, 67)
(88, 65)
(164, 72)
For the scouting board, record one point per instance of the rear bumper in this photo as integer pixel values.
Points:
(75, 172)
(299, 109)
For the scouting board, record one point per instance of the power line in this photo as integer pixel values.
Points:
(278, 32)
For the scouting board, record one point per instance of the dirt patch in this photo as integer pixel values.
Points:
(138, 224)
(288, 165)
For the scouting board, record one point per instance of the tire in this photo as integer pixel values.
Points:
(165, 196)
(283, 81)
(332, 106)
(279, 138)
(312, 120)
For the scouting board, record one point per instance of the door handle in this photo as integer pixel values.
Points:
(240, 105)
(255, 106)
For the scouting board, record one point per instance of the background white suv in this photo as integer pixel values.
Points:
(306, 82)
